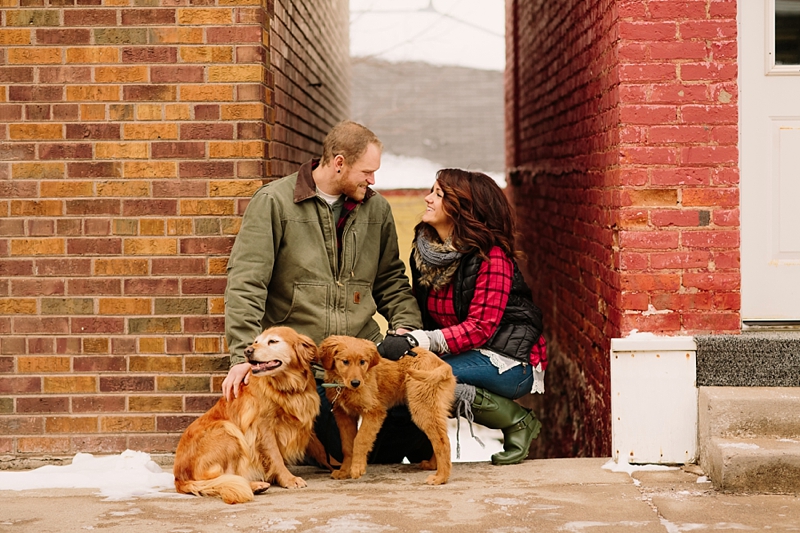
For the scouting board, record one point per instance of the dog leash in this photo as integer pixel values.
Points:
(339, 388)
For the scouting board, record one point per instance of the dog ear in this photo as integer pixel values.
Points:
(374, 356)
(306, 348)
(327, 350)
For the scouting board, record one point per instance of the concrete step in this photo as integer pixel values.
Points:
(762, 465)
(749, 438)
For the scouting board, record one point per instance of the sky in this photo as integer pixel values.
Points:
(467, 33)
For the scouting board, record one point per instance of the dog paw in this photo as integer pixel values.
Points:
(294, 483)
(340, 474)
(435, 479)
(259, 486)
(356, 471)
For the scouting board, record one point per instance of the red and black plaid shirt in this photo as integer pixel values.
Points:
(347, 208)
(492, 287)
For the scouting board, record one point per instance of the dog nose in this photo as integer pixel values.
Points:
(248, 351)
(355, 383)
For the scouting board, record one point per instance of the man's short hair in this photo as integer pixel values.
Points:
(348, 139)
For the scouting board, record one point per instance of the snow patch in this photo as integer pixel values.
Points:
(740, 445)
(404, 172)
(613, 466)
(118, 477)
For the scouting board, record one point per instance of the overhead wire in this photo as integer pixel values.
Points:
(430, 8)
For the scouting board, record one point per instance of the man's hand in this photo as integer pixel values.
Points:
(395, 346)
(238, 374)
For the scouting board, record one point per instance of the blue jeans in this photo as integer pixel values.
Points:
(474, 368)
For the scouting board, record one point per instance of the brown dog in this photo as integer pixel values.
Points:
(237, 448)
(368, 385)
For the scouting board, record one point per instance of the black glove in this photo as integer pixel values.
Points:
(396, 346)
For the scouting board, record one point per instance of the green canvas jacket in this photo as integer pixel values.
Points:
(284, 269)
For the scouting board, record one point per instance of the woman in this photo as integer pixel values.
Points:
(477, 310)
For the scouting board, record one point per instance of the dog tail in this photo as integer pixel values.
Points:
(230, 488)
(436, 375)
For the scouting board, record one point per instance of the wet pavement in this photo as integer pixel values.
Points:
(551, 495)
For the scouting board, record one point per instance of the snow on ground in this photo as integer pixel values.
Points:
(613, 466)
(403, 172)
(118, 477)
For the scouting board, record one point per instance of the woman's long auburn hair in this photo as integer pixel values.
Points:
(482, 215)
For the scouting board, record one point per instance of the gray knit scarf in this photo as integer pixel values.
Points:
(465, 397)
(437, 262)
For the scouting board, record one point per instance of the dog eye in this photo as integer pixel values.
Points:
(272, 341)
(363, 362)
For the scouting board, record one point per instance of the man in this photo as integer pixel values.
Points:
(317, 251)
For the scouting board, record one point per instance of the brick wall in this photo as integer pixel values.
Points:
(679, 200)
(310, 59)
(131, 139)
(621, 146)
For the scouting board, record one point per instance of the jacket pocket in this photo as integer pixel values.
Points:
(309, 311)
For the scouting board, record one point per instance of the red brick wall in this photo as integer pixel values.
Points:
(621, 145)
(679, 199)
(131, 139)
(312, 78)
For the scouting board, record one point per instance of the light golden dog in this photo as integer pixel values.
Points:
(367, 385)
(238, 448)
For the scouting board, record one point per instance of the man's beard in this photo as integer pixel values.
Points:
(351, 189)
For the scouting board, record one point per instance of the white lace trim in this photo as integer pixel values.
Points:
(538, 380)
(503, 363)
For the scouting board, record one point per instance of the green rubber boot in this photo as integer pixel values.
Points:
(519, 425)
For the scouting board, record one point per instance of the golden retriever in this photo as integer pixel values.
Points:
(238, 448)
(367, 385)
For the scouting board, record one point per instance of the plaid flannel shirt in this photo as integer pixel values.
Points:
(492, 287)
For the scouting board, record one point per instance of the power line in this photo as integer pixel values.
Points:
(430, 8)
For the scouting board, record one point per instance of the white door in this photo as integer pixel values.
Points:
(769, 82)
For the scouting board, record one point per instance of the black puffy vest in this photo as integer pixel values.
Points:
(521, 324)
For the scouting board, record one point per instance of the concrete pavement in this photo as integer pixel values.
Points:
(552, 495)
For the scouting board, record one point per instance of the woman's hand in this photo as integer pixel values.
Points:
(395, 346)
(401, 344)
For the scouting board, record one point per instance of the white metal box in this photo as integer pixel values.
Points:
(653, 399)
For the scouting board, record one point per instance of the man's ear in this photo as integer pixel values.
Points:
(339, 162)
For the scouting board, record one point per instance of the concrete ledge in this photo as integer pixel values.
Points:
(749, 412)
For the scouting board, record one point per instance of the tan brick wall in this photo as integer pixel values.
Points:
(130, 140)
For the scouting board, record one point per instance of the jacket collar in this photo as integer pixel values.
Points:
(305, 187)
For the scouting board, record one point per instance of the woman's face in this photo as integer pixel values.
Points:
(434, 214)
